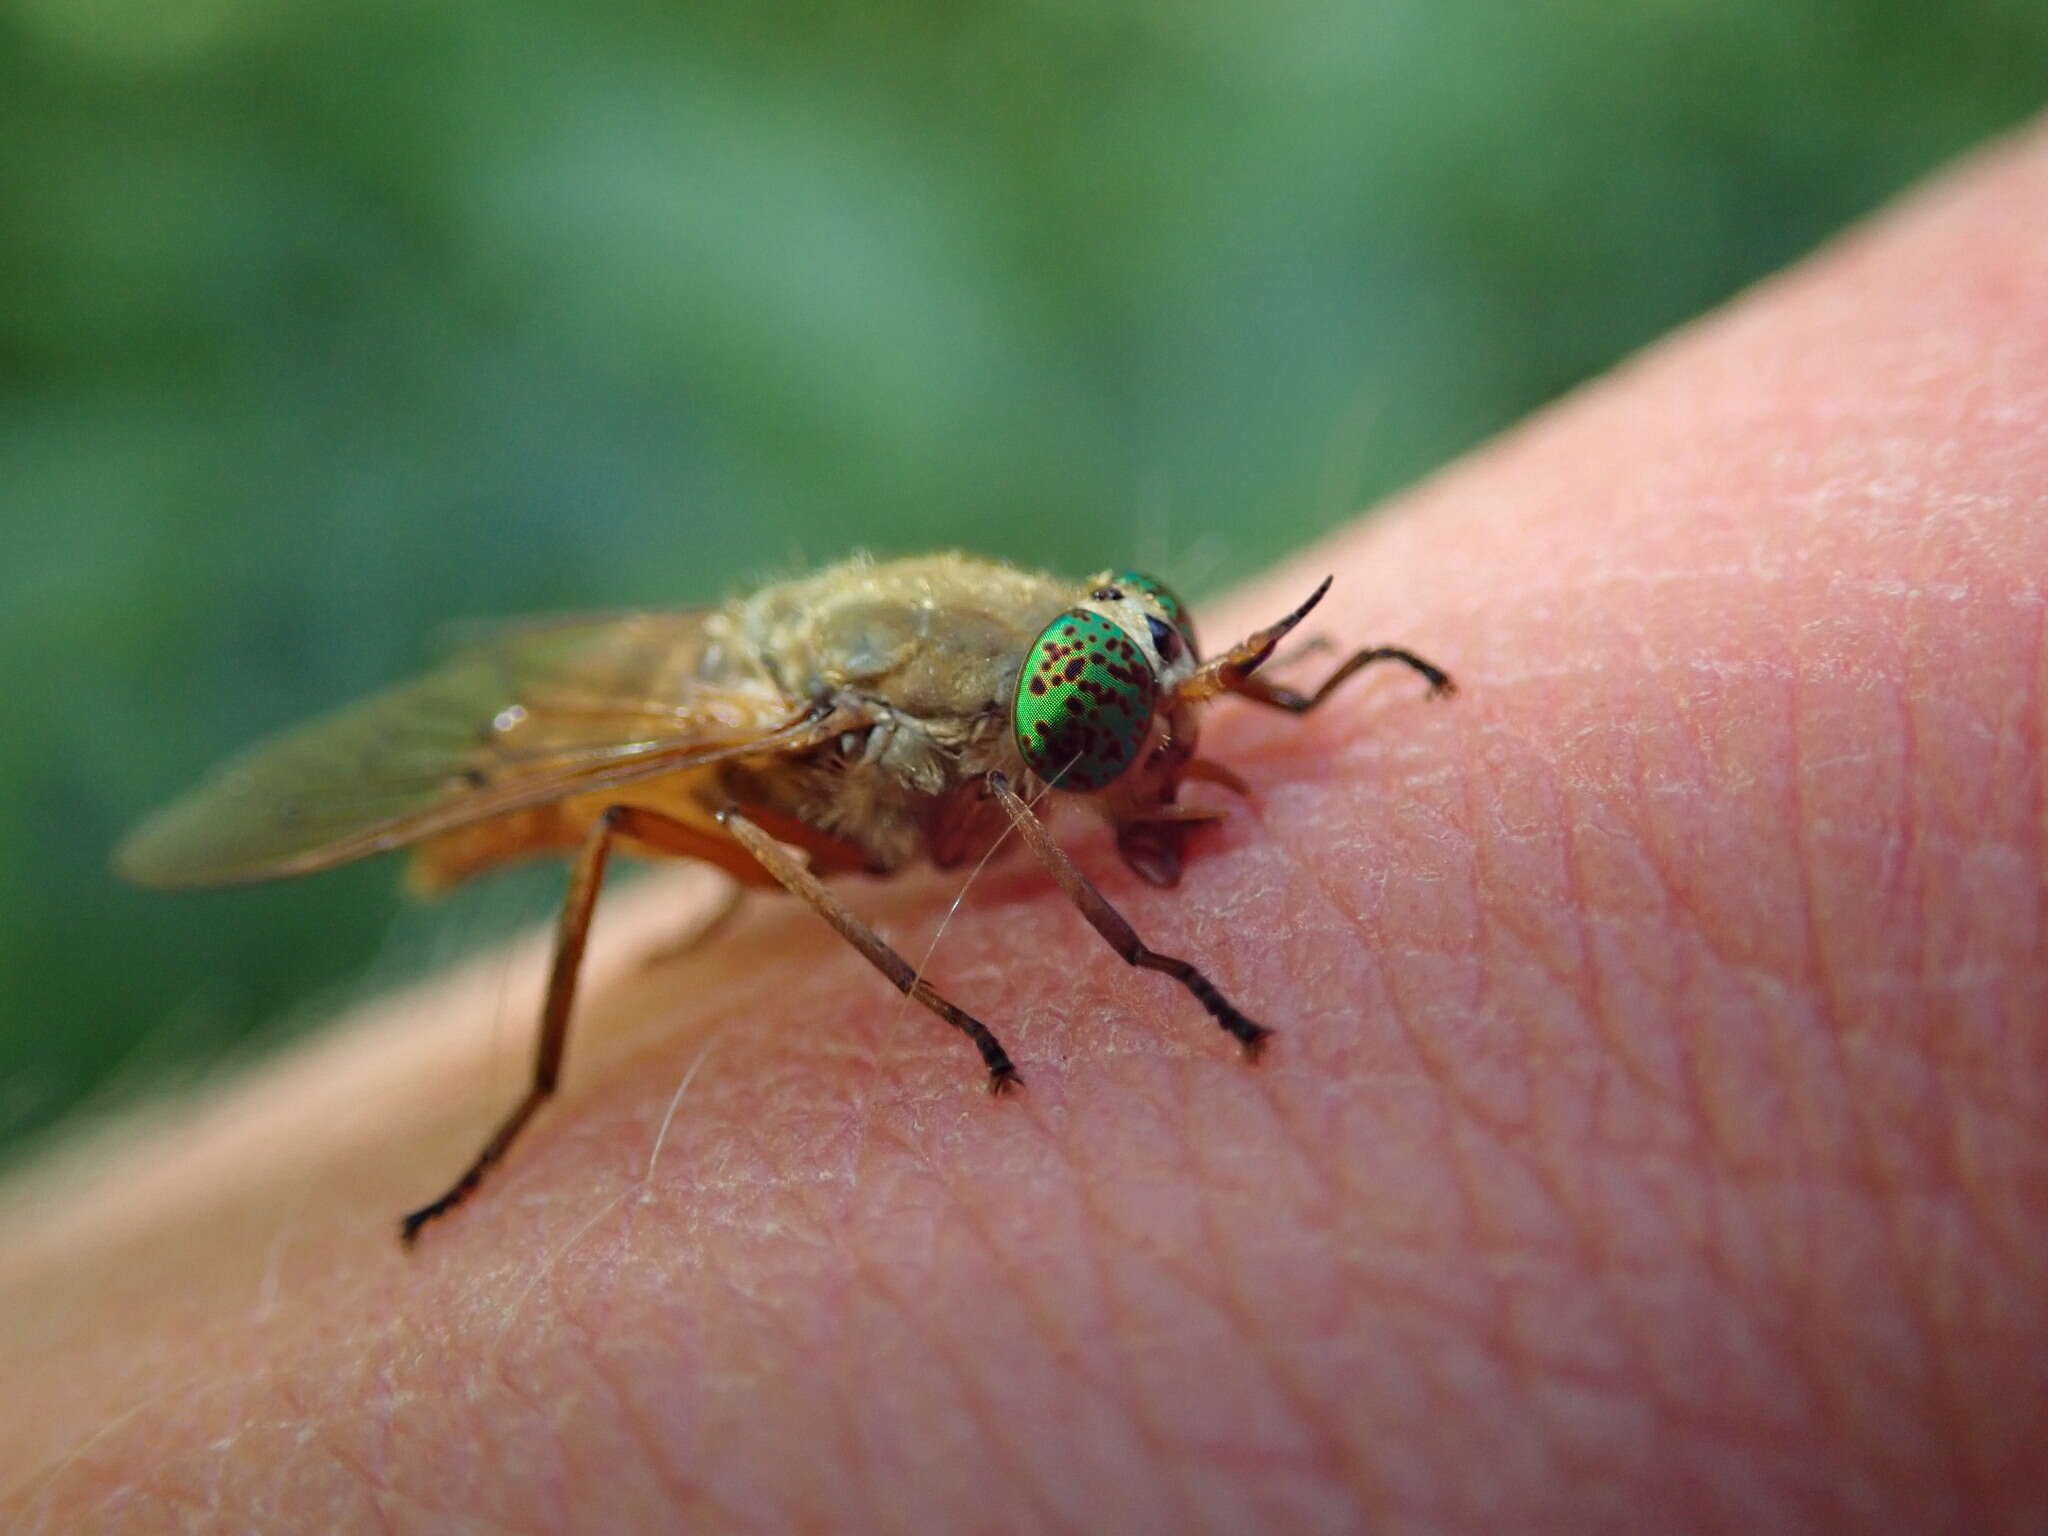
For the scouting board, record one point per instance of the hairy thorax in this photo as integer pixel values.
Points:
(926, 652)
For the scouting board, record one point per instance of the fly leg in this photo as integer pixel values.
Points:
(1254, 686)
(1232, 672)
(800, 882)
(1116, 929)
(572, 933)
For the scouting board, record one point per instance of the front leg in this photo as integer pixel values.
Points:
(1115, 928)
(1235, 670)
(1254, 686)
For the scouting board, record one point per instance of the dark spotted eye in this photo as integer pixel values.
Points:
(1084, 702)
(1164, 640)
(1164, 596)
(1107, 594)
(1155, 589)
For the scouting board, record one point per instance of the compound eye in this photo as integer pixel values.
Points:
(1164, 640)
(1155, 589)
(1166, 598)
(1084, 702)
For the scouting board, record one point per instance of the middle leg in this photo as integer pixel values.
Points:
(799, 881)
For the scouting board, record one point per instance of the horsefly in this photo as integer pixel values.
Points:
(846, 722)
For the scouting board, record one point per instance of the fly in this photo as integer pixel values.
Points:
(850, 721)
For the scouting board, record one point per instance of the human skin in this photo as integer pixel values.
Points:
(1656, 1135)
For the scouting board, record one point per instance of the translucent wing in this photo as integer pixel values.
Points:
(538, 713)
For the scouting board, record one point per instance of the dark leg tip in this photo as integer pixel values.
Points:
(409, 1227)
(1441, 687)
(1252, 1038)
(1004, 1079)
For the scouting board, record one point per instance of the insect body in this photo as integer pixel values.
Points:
(865, 716)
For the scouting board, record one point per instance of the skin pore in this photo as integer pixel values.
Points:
(1656, 1133)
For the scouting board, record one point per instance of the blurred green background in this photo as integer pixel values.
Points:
(324, 324)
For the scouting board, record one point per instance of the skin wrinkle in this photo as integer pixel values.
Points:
(1937, 1165)
(1953, 1059)
(1479, 1114)
(1589, 980)
(1498, 1328)
(1467, 1182)
(1433, 1065)
(1154, 1435)
(1829, 1017)
(576, 1310)
(1019, 1476)
(1831, 1021)
(847, 1420)
(2033, 729)
(377, 1461)
(500, 1365)
(1685, 1093)
(979, 1411)
(1096, 1264)
(1788, 1327)
(682, 1492)
(1930, 1378)
(1714, 1249)
(1588, 1249)
(1497, 1337)
(379, 1499)
(678, 1492)
(1601, 1018)
(1936, 1145)
(39, 1490)
(1198, 1454)
(1125, 1323)
(1568, 980)
(1236, 1301)
(1063, 1348)
(398, 1422)
(1210, 1270)
(312, 1436)
(1101, 1397)
(550, 1263)
(2034, 722)
(690, 1496)
(1339, 1463)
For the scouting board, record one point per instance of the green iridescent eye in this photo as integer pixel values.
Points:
(1084, 702)
(1164, 596)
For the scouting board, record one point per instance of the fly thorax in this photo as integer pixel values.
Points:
(907, 751)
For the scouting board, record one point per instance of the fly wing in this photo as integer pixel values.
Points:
(538, 713)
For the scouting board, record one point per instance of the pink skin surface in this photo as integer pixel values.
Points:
(1657, 1134)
